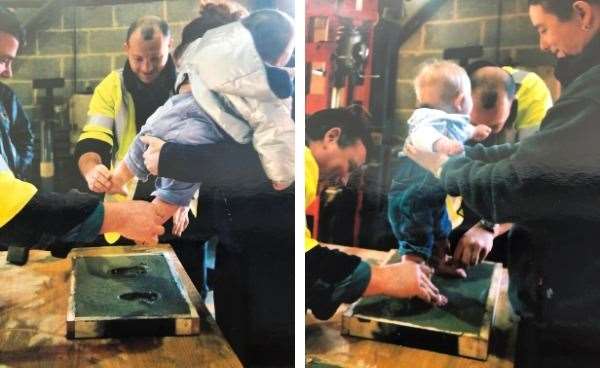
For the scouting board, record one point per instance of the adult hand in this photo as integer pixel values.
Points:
(443, 264)
(98, 179)
(117, 186)
(136, 220)
(152, 153)
(431, 161)
(405, 280)
(180, 220)
(474, 246)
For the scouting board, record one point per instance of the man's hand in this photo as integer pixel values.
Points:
(405, 280)
(443, 264)
(98, 179)
(152, 153)
(428, 160)
(474, 246)
(136, 220)
(180, 220)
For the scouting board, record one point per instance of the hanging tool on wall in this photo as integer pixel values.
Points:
(49, 122)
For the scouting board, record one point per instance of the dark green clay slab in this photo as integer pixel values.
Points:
(126, 287)
(463, 313)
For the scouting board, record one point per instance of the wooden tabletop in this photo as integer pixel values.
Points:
(33, 310)
(325, 346)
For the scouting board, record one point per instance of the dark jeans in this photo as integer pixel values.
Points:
(416, 209)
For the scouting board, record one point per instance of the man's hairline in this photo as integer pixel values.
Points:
(165, 37)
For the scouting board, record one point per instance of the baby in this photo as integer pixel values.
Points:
(416, 201)
(442, 123)
(232, 86)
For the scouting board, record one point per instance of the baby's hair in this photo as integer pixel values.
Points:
(448, 79)
(272, 32)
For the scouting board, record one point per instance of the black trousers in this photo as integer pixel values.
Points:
(539, 349)
(254, 278)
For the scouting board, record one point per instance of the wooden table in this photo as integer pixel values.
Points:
(325, 346)
(33, 310)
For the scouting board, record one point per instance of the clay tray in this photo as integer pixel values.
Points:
(462, 327)
(128, 295)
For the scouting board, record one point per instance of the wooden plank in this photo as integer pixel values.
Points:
(462, 327)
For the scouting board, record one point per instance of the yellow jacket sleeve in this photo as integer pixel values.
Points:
(103, 110)
(311, 182)
(14, 194)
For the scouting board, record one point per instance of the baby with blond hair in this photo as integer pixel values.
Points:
(416, 201)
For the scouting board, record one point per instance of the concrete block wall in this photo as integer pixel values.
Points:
(461, 23)
(100, 36)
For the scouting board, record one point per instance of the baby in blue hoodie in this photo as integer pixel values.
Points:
(416, 201)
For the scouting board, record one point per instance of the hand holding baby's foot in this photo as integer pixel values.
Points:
(448, 146)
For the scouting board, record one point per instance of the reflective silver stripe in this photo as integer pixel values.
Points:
(3, 165)
(519, 76)
(103, 121)
(122, 117)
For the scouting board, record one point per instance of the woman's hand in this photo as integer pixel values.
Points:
(152, 153)
(430, 161)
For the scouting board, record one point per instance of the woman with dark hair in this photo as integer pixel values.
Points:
(549, 186)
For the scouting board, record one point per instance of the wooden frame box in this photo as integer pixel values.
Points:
(128, 295)
(460, 328)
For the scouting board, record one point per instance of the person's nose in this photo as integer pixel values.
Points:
(544, 45)
(147, 67)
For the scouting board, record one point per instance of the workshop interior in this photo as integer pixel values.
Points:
(367, 53)
(96, 273)
(88, 285)
(492, 303)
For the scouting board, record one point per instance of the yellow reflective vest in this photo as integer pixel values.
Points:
(14, 194)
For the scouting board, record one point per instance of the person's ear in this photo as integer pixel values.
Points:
(583, 12)
(332, 136)
(458, 102)
(126, 47)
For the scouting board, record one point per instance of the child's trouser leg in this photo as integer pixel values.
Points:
(415, 204)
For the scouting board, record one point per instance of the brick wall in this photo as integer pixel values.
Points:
(100, 35)
(466, 23)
